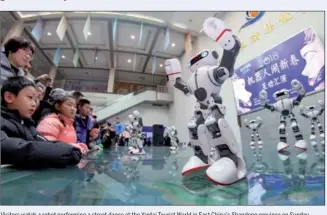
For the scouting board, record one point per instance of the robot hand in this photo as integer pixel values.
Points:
(215, 29)
(259, 120)
(136, 113)
(246, 121)
(321, 104)
(298, 87)
(130, 118)
(302, 109)
(173, 69)
(263, 97)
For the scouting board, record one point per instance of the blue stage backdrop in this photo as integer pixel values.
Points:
(300, 57)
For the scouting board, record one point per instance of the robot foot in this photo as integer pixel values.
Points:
(301, 144)
(173, 148)
(282, 146)
(224, 171)
(135, 151)
(194, 164)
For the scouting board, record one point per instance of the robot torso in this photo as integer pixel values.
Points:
(284, 106)
(202, 86)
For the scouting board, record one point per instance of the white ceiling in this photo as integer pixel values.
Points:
(119, 54)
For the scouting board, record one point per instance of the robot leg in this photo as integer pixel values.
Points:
(253, 145)
(322, 136)
(198, 140)
(300, 142)
(231, 166)
(282, 145)
(260, 146)
(313, 138)
(303, 157)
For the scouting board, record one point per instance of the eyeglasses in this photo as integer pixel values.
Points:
(28, 53)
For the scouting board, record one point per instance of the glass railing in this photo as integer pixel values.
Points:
(158, 89)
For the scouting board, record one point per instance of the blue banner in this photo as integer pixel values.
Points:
(300, 57)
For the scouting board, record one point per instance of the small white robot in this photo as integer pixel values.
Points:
(313, 112)
(135, 129)
(256, 141)
(284, 105)
(172, 134)
(208, 127)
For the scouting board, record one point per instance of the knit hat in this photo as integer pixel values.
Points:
(58, 95)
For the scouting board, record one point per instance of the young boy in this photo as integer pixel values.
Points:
(20, 143)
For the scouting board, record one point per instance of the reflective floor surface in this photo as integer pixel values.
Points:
(115, 178)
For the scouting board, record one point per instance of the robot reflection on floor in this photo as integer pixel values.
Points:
(172, 134)
(135, 130)
(312, 112)
(208, 127)
(256, 143)
(284, 104)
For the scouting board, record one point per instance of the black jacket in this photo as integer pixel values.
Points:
(22, 146)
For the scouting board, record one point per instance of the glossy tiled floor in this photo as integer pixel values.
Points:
(115, 178)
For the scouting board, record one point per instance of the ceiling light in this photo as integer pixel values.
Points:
(178, 25)
(63, 57)
(96, 58)
(173, 45)
(49, 33)
(129, 60)
(89, 33)
(133, 37)
(161, 65)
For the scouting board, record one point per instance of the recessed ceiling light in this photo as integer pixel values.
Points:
(96, 58)
(49, 33)
(129, 60)
(173, 44)
(89, 33)
(161, 65)
(133, 37)
(63, 57)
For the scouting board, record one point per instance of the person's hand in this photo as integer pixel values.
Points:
(94, 133)
(44, 79)
(82, 147)
(98, 148)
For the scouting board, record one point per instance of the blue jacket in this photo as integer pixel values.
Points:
(119, 128)
(82, 128)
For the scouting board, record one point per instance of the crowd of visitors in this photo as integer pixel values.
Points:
(46, 126)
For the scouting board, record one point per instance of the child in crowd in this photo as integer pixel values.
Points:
(59, 125)
(20, 143)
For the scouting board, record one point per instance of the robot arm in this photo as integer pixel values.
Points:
(302, 112)
(321, 106)
(298, 87)
(246, 122)
(216, 30)
(174, 71)
(259, 121)
(263, 101)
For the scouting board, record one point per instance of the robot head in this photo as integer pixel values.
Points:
(281, 94)
(130, 118)
(204, 58)
(173, 128)
(136, 113)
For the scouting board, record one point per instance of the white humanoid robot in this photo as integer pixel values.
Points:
(256, 141)
(172, 133)
(135, 130)
(208, 127)
(284, 104)
(313, 112)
